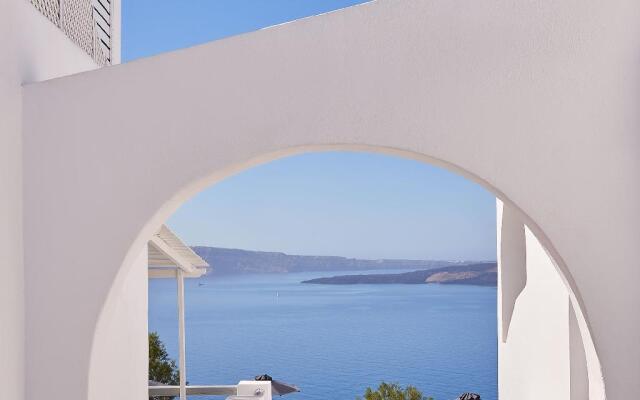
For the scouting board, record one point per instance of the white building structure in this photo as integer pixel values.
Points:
(537, 101)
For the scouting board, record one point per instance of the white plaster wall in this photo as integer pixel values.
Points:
(31, 49)
(535, 100)
(11, 260)
(541, 351)
(41, 50)
(578, 361)
(512, 264)
(122, 347)
(534, 362)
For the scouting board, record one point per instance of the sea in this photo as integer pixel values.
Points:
(332, 341)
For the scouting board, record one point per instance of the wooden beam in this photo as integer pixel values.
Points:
(171, 273)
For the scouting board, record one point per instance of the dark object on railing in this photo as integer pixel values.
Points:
(278, 387)
(469, 396)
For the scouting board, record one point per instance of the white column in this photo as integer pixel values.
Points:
(181, 341)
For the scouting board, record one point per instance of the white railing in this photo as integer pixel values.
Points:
(244, 390)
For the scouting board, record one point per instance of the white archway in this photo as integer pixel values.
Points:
(503, 91)
(193, 188)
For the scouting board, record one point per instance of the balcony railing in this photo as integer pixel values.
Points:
(86, 22)
(244, 390)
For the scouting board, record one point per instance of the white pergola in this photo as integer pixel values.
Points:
(169, 257)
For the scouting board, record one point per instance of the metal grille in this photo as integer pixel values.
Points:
(86, 22)
(102, 29)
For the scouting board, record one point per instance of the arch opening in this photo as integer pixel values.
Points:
(535, 234)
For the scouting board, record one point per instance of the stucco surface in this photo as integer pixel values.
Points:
(535, 100)
(31, 49)
(121, 344)
(581, 389)
(541, 353)
(512, 264)
(534, 361)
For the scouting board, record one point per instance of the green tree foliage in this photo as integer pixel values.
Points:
(162, 369)
(393, 391)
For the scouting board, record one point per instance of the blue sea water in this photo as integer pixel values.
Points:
(333, 340)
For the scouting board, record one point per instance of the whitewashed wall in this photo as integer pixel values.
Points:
(537, 101)
(540, 350)
(122, 348)
(581, 386)
(31, 50)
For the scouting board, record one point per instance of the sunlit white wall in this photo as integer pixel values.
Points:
(540, 349)
(31, 49)
(120, 342)
(537, 100)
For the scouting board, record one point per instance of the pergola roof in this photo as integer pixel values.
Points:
(167, 253)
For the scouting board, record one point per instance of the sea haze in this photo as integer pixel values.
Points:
(236, 261)
(333, 340)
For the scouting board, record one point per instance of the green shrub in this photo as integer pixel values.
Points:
(162, 369)
(393, 391)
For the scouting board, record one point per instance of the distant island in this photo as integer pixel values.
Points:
(480, 274)
(236, 261)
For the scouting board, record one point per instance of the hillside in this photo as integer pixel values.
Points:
(484, 274)
(235, 261)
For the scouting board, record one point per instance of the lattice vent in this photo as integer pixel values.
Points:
(50, 9)
(86, 22)
(76, 20)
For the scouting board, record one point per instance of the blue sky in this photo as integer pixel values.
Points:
(152, 27)
(349, 204)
